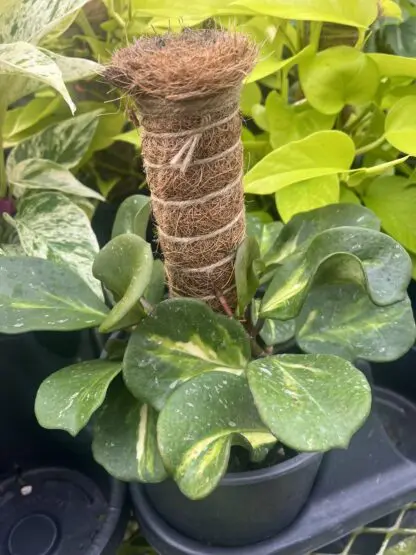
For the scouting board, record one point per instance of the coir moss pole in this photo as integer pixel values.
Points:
(186, 88)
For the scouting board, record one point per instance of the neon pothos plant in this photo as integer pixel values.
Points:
(185, 384)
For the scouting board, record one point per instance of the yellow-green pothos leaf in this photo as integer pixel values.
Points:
(401, 125)
(273, 332)
(307, 195)
(50, 297)
(198, 425)
(338, 76)
(299, 232)
(124, 266)
(132, 216)
(67, 399)
(41, 174)
(390, 65)
(393, 199)
(51, 226)
(369, 257)
(21, 59)
(323, 400)
(64, 143)
(182, 338)
(124, 437)
(319, 154)
(271, 65)
(246, 278)
(340, 319)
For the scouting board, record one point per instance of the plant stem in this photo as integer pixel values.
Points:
(116, 16)
(85, 25)
(370, 146)
(3, 178)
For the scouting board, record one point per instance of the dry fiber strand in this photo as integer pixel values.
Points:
(186, 88)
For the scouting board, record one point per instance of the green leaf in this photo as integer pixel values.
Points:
(132, 216)
(273, 332)
(261, 226)
(271, 65)
(401, 125)
(246, 279)
(67, 399)
(132, 137)
(365, 256)
(156, 289)
(307, 195)
(338, 76)
(198, 425)
(124, 438)
(20, 59)
(38, 174)
(319, 154)
(340, 319)
(393, 199)
(124, 266)
(64, 143)
(355, 13)
(394, 66)
(23, 119)
(182, 338)
(323, 400)
(38, 294)
(250, 95)
(401, 39)
(51, 226)
(348, 196)
(356, 177)
(297, 235)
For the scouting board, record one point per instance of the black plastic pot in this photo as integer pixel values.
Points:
(246, 507)
(399, 376)
(374, 477)
(54, 498)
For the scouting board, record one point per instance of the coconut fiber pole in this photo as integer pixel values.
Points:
(186, 88)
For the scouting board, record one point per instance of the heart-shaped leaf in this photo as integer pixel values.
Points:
(124, 437)
(300, 231)
(322, 400)
(132, 216)
(34, 173)
(51, 226)
(394, 66)
(124, 265)
(246, 279)
(198, 425)
(340, 319)
(182, 338)
(67, 399)
(319, 154)
(401, 125)
(365, 256)
(38, 294)
(64, 143)
(338, 76)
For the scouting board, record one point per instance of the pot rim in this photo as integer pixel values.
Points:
(255, 476)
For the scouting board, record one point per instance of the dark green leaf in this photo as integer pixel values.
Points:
(133, 216)
(261, 226)
(156, 289)
(273, 332)
(248, 253)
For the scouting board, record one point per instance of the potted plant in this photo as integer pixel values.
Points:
(186, 392)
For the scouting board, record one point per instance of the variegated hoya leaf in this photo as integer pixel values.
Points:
(198, 425)
(323, 400)
(124, 437)
(51, 226)
(68, 398)
(50, 297)
(124, 266)
(182, 338)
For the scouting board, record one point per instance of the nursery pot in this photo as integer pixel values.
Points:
(245, 508)
(54, 498)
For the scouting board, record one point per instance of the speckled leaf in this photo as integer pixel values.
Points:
(132, 216)
(340, 319)
(64, 143)
(273, 332)
(264, 230)
(67, 399)
(156, 289)
(35, 173)
(124, 437)
(38, 294)
(198, 425)
(182, 338)
(246, 279)
(368, 257)
(300, 231)
(124, 266)
(322, 400)
(51, 226)
(21, 59)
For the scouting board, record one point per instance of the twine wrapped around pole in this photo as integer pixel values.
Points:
(186, 88)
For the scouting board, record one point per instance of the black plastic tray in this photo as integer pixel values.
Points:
(374, 477)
